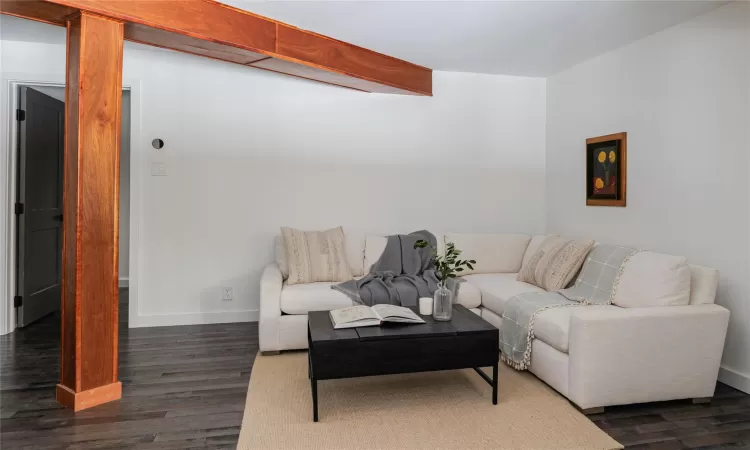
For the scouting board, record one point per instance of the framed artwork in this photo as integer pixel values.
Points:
(606, 170)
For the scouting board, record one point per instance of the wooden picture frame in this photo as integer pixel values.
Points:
(606, 170)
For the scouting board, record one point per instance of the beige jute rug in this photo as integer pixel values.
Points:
(434, 410)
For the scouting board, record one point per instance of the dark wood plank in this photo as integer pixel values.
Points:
(680, 424)
(207, 404)
(179, 390)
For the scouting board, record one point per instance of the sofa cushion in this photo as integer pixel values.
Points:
(703, 283)
(565, 264)
(494, 253)
(556, 262)
(280, 253)
(314, 256)
(469, 295)
(532, 269)
(552, 326)
(534, 244)
(653, 279)
(355, 253)
(497, 288)
(374, 247)
(303, 298)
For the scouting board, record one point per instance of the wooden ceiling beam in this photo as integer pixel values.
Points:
(215, 30)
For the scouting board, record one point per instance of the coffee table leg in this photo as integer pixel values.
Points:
(314, 384)
(494, 384)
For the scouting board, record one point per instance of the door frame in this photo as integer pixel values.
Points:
(9, 102)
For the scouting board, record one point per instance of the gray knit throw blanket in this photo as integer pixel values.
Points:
(401, 276)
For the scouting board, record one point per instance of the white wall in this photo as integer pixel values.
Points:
(683, 97)
(249, 151)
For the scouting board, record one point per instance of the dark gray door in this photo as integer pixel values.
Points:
(40, 192)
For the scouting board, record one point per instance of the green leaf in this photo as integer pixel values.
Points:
(452, 275)
(470, 266)
(459, 270)
(472, 261)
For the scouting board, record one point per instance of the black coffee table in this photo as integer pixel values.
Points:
(467, 341)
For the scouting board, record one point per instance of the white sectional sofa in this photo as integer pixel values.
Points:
(595, 356)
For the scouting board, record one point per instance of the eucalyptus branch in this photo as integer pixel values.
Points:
(448, 265)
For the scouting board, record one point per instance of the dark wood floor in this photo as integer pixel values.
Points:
(184, 387)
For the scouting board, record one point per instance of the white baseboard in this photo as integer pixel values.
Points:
(163, 320)
(735, 379)
(124, 282)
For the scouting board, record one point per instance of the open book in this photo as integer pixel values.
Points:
(367, 316)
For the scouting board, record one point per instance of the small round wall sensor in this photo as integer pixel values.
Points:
(157, 143)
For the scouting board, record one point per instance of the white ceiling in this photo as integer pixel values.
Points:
(530, 38)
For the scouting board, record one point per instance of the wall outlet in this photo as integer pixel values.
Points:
(227, 293)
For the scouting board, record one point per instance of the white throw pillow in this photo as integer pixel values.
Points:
(314, 256)
(534, 245)
(355, 251)
(374, 247)
(355, 248)
(653, 279)
(555, 263)
(280, 251)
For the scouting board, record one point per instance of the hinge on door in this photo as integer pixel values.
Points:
(19, 208)
(17, 301)
(20, 115)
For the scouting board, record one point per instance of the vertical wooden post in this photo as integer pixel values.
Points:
(90, 207)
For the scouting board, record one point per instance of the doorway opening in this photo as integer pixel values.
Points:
(40, 129)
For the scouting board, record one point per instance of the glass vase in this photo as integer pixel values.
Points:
(442, 305)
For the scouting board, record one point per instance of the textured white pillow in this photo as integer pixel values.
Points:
(280, 250)
(534, 245)
(355, 248)
(653, 279)
(374, 247)
(314, 256)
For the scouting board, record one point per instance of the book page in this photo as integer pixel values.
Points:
(353, 314)
(392, 311)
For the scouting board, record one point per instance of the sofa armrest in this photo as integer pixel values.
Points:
(634, 355)
(271, 282)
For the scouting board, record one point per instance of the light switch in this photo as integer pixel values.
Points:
(158, 169)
